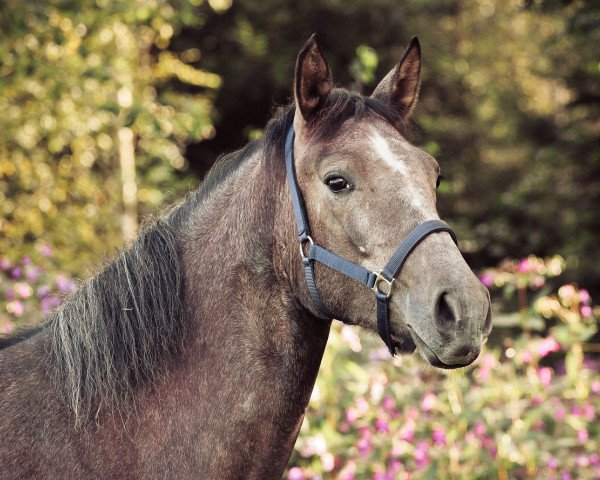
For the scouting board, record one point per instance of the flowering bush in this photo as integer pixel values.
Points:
(528, 408)
(28, 293)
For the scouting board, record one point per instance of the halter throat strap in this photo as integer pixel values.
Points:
(381, 283)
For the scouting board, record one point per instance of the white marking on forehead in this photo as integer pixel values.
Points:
(385, 152)
(415, 196)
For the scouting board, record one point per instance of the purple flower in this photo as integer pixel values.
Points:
(64, 284)
(49, 303)
(15, 273)
(43, 291)
(551, 462)
(382, 426)
(565, 475)
(439, 436)
(10, 294)
(33, 273)
(364, 446)
(26, 260)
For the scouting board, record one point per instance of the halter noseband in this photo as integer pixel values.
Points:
(381, 283)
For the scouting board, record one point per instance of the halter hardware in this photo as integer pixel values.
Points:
(381, 283)
(303, 241)
(381, 280)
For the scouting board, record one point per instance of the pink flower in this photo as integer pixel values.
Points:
(547, 345)
(347, 473)
(412, 412)
(26, 260)
(551, 463)
(560, 413)
(586, 311)
(23, 290)
(526, 357)
(46, 250)
(584, 296)
(364, 446)
(4, 264)
(7, 327)
(545, 376)
(595, 386)
(16, 308)
(327, 462)
(420, 455)
(428, 402)
(389, 403)
(537, 400)
(523, 265)
(296, 473)
(582, 435)
(486, 279)
(407, 433)
(479, 429)
(351, 415)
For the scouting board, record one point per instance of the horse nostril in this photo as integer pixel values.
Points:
(444, 316)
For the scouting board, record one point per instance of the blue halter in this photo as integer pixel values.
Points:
(381, 283)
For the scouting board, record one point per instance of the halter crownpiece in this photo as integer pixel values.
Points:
(381, 283)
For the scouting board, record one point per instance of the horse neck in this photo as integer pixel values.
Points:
(252, 347)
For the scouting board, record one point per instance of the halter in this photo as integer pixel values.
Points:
(381, 283)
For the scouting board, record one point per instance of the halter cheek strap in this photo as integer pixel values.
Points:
(381, 283)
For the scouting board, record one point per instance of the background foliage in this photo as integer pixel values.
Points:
(510, 107)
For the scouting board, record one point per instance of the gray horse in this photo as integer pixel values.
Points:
(194, 353)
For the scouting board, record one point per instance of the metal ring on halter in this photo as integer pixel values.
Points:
(304, 241)
(381, 280)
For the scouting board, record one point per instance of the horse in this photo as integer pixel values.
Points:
(194, 353)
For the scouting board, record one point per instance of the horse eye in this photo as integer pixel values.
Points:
(438, 181)
(337, 184)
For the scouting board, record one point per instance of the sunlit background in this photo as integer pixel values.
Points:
(111, 111)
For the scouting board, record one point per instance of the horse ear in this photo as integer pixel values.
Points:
(313, 82)
(400, 87)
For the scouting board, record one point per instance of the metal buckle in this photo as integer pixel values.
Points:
(379, 280)
(304, 241)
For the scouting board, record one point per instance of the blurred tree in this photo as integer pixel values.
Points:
(90, 95)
